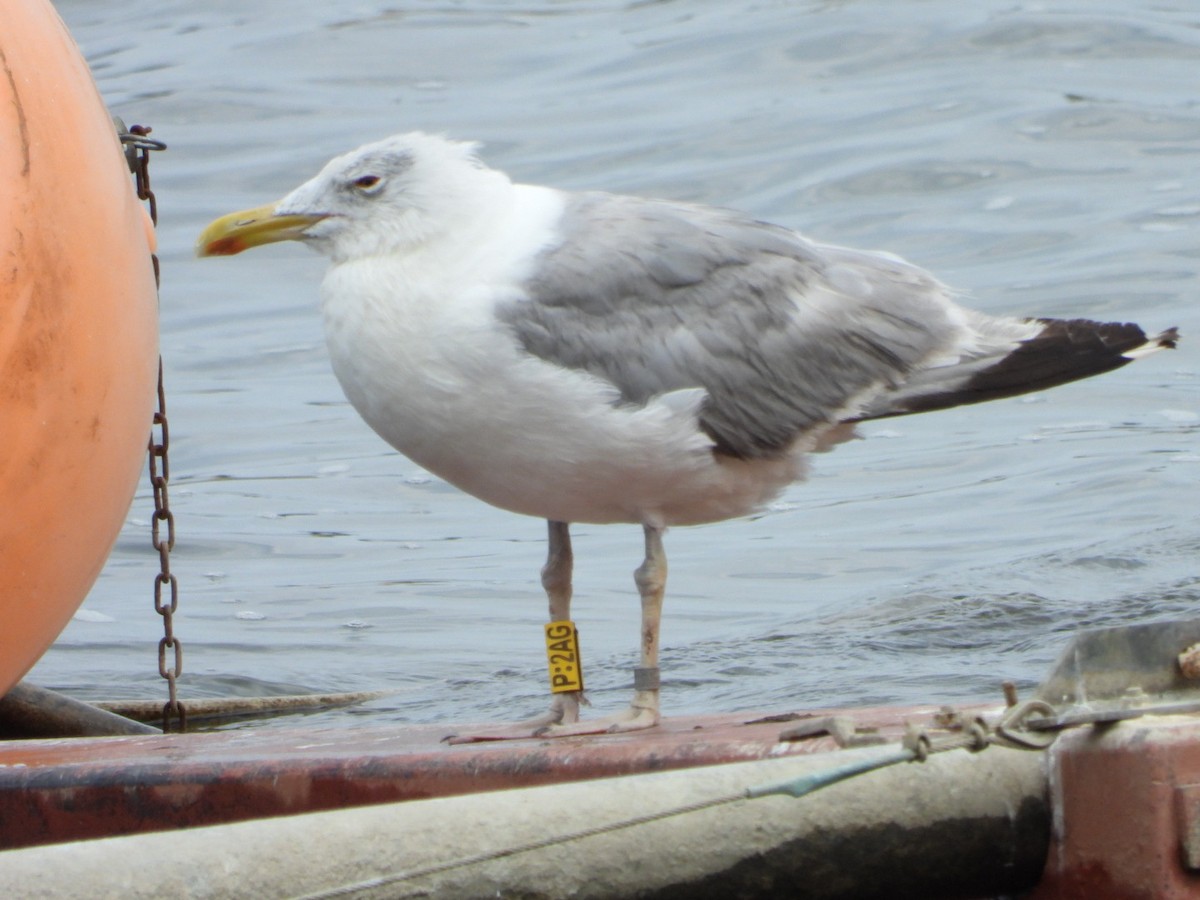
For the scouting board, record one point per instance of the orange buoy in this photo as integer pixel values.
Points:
(78, 333)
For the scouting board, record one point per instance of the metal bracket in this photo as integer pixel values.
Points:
(842, 729)
(1111, 674)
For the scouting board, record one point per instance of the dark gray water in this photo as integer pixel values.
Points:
(1043, 158)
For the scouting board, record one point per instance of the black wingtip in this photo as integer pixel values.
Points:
(1064, 350)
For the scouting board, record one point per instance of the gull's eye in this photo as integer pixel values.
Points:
(367, 182)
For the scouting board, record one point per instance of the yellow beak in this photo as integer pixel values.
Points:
(240, 231)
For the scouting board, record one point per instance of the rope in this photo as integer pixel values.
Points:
(438, 868)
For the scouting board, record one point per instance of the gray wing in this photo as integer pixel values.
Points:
(783, 334)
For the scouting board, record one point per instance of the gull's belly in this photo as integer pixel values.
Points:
(458, 397)
(587, 463)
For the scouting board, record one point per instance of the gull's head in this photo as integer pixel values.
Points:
(384, 197)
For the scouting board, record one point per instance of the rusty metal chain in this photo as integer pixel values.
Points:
(138, 146)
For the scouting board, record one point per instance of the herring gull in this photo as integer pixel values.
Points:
(591, 357)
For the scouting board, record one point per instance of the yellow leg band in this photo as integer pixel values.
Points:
(562, 655)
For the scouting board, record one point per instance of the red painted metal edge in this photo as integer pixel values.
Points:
(79, 788)
(1126, 812)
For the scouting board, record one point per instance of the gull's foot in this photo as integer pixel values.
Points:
(642, 714)
(563, 712)
(636, 718)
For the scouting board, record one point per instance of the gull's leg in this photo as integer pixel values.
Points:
(556, 579)
(651, 580)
